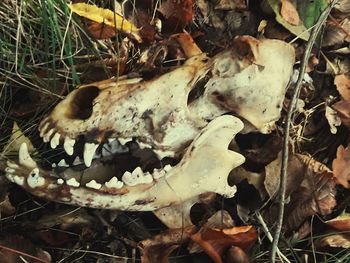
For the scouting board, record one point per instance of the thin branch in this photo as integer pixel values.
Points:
(285, 151)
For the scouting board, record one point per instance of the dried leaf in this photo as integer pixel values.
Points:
(340, 223)
(342, 82)
(333, 119)
(343, 109)
(236, 255)
(177, 14)
(337, 240)
(215, 241)
(106, 16)
(336, 32)
(100, 30)
(341, 166)
(159, 247)
(298, 30)
(289, 13)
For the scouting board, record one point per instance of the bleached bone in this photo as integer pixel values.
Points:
(249, 79)
(204, 168)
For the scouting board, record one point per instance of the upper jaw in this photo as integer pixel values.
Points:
(204, 168)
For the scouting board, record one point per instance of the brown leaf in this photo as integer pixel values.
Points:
(216, 241)
(289, 13)
(177, 14)
(337, 240)
(341, 166)
(336, 32)
(100, 30)
(159, 247)
(342, 83)
(340, 223)
(236, 255)
(343, 109)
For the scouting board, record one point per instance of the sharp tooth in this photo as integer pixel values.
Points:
(110, 140)
(43, 129)
(55, 140)
(94, 185)
(53, 165)
(12, 165)
(9, 170)
(143, 145)
(34, 179)
(24, 157)
(77, 161)
(158, 173)
(68, 145)
(60, 181)
(89, 151)
(124, 141)
(128, 179)
(73, 182)
(47, 135)
(137, 172)
(114, 183)
(147, 178)
(63, 163)
(161, 154)
(167, 168)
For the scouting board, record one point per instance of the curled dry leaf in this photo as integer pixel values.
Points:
(336, 32)
(341, 166)
(289, 13)
(342, 107)
(236, 255)
(340, 223)
(337, 240)
(333, 119)
(159, 247)
(216, 241)
(342, 83)
(177, 14)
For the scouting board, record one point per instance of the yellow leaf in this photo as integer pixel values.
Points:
(106, 16)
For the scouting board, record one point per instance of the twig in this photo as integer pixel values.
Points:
(291, 108)
(20, 253)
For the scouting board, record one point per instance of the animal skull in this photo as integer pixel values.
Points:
(248, 80)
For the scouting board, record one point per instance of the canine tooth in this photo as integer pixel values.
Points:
(94, 185)
(63, 163)
(167, 168)
(114, 183)
(137, 172)
(55, 141)
(89, 151)
(12, 165)
(47, 136)
(124, 141)
(24, 157)
(9, 170)
(34, 179)
(73, 182)
(68, 145)
(60, 181)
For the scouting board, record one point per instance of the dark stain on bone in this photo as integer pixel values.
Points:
(144, 202)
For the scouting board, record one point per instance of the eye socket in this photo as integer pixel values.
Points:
(82, 103)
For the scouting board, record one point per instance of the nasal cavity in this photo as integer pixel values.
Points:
(82, 103)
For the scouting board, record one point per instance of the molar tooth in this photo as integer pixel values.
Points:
(114, 183)
(34, 179)
(73, 182)
(110, 140)
(60, 181)
(47, 135)
(128, 179)
(24, 157)
(158, 173)
(137, 172)
(161, 154)
(147, 178)
(94, 185)
(55, 141)
(89, 151)
(68, 145)
(18, 180)
(143, 145)
(63, 163)
(167, 168)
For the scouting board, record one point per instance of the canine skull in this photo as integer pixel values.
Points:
(248, 80)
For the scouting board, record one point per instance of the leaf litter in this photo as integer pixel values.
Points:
(140, 40)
